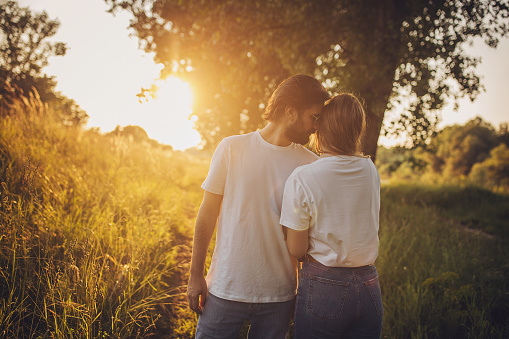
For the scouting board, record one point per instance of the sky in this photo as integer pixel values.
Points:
(103, 70)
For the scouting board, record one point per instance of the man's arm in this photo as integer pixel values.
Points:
(297, 242)
(203, 230)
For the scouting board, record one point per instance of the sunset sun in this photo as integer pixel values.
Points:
(167, 115)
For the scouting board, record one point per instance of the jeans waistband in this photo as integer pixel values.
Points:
(309, 259)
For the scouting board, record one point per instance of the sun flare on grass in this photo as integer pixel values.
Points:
(167, 117)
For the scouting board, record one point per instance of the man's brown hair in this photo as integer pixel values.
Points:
(299, 91)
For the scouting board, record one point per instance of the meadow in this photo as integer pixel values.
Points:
(95, 237)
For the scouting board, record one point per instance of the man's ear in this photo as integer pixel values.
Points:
(291, 113)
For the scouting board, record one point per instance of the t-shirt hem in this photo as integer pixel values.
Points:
(293, 227)
(212, 190)
(253, 299)
(333, 263)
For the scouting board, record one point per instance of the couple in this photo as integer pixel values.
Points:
(329, 209)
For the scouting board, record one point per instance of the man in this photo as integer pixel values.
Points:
(252, 276)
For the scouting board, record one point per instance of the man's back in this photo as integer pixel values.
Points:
(251, 262)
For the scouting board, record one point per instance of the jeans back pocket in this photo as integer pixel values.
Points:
(326, 297)
(373, 287)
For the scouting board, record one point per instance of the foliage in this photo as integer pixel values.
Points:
(68, 111)
(400, 162)
(136, 134)
(494, 170)
(234, 53)
(95, 231)
(474, 153)
(457, 148)
(24, 48)
(24, 52)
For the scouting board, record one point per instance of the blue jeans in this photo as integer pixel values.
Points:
(338, 302)
(223, 319)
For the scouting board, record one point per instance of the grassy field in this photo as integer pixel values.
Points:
(443, 262)
(94, 232)
(95, 237)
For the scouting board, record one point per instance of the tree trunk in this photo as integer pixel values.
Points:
(373, 128)
(377, 59)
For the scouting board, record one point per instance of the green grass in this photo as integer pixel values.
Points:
(473, 207)
(95, 233)
(95, 236)
(439, 279)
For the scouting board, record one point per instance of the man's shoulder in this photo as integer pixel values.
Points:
(306, 155)
(238, 138)
(308, 151)
(234, 142)
(304, 170)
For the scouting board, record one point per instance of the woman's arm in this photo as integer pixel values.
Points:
(297, 242)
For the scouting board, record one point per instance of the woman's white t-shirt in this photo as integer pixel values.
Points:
(338, 199)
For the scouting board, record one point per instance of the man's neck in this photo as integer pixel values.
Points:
(274, 134)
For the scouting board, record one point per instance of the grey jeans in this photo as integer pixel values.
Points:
(223, 319)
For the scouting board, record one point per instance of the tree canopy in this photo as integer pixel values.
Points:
(24, 50)
(392, 53)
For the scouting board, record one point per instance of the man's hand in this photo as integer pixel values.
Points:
(205, 224)
(197, 293)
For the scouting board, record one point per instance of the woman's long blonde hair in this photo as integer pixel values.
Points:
(341, 126)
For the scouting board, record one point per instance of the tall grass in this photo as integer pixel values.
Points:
(439, 279)
(95, 232)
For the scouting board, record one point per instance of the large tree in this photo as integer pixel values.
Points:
(393, 53)
(24, 52)
(25, 49)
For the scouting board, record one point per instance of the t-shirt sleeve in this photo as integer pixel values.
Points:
(295, 211)
(216, 178)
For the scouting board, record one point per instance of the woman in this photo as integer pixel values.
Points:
(331, 211)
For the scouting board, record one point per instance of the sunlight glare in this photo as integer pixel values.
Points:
(167, 118)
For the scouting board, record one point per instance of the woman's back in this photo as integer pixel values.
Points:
(341, 195)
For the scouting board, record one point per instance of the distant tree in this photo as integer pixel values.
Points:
(503, 133)
(234, 53)
(397, 160)
(136, 133)
(68, 111)
(493, 171)
(24, 52)
(139, 135)
(390, 159)
(457, 148)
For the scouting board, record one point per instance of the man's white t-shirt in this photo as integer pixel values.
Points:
(338, 199)
(251, 262)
